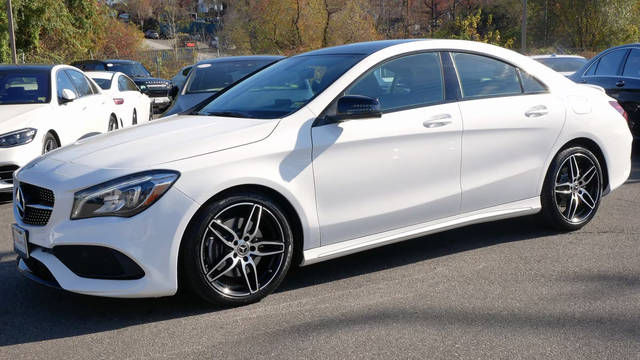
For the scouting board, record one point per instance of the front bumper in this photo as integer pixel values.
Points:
(151, 239)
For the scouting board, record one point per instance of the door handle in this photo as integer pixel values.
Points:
(437, 121)
(620, 83)
(536, 111)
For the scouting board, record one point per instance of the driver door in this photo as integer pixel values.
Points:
(380, 174)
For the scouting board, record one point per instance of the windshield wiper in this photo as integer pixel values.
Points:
(228, 114)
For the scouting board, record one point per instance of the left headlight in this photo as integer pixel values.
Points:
(18, 137)
(125, 196)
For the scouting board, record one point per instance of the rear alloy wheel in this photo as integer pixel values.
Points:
(49, 143)
(237, 250)
(134, 119)
(113, 123)
(572, 190)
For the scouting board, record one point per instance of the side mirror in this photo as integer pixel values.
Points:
(174, 91)
(357, 107)
(68, 96)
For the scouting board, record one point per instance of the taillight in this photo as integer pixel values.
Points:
(619, 109)
(118, 101)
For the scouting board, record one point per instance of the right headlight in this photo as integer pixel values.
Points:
(18, 137)
(125, 196)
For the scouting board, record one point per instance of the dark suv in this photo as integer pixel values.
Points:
(156, 89)
(617, 70)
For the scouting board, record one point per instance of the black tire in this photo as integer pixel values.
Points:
(560, 191)
(218, 266)
(113, 123)
(134, 119)
(49, 143)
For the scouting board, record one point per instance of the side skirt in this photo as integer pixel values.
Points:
(514, 209)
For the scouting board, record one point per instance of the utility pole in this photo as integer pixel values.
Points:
(12, 38)
(524, 27)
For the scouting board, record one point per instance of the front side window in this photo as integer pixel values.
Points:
(217, 76)
(131, 69)
(282, 88)
(81, 84)
(481, 76)
(24, 87)
(610, 63)
(408, 81)
(63, 82)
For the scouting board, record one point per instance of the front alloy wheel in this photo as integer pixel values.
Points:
(572, 189)
(241, 251)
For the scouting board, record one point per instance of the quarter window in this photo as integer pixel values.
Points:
(632, 67)
(409, 81)
(531, 85)
(481, 76)
(610, 63)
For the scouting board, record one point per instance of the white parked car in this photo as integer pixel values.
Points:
(45, 107)
(320, 155)
(566, 65)
(132, 106)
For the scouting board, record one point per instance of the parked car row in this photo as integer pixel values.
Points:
(312, 157)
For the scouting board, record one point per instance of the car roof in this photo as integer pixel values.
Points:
(240, 58)
(555, 56)
(362, 48)
(26, 67)
(118, 61)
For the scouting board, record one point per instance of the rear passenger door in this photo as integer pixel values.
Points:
(510, 123)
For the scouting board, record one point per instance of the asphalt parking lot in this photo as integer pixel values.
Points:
(508, 289)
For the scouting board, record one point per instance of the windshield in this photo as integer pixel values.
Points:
(564, 64)
(217, 76)
(282, 88)
(105, 84)
(21, 86)
(133, 69)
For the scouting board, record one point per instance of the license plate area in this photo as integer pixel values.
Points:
(20, 241)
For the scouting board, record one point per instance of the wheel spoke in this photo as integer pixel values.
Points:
(587, 198)
(227, 263)
(251, 279)
(564, 188)
(574, 169)
(221, 231)
(266, 248)
(572, 207)
(588, 176)
(252, 223)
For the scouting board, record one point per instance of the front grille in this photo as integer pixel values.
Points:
(157, 92)
(38, 204)
(6, 173)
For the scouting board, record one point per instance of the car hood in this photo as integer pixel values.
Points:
(165, 140)
(16, 117)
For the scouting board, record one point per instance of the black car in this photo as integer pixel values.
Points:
(151, 34)
(157, 89)
(617, 70)
(207, 77)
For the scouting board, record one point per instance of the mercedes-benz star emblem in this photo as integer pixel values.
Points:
(20, 204)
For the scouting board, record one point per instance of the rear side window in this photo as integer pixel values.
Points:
(408, 81)
(610, 63)
(80, 82)
(481, 76)
(632, 67)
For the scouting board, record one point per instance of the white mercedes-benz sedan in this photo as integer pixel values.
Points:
(320, 155)
(42, 108)
(131, 105)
